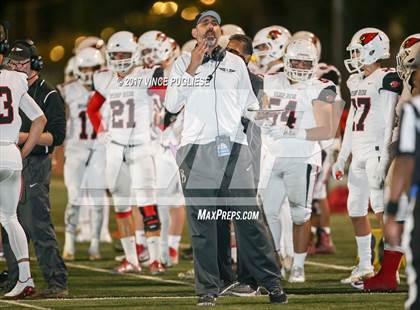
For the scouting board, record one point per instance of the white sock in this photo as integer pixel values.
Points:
(129, 246)
(313, 230)
(153, 245)
(327, 230)
(141, 237)
(364, 251)
(94, 246)
(69, 240)
(299, 259)
(24, 271)
(173, 241)
(395, 248)
(234, 254)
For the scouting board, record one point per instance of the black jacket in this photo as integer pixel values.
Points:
(51, 103)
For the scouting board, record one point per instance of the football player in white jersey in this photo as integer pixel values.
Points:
(374, 94)
(321, 241)
(167, 127)
(130, 170)
(14, 96)
(386, 279)
(269, 45)
(294, 154)
(78, 151)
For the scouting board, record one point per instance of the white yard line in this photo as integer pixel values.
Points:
(138, 276)
(16, 303)
(328, 266)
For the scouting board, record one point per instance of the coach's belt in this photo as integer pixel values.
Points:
(125, 145)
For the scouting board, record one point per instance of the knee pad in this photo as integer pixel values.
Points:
(150, 218)
(300, 214)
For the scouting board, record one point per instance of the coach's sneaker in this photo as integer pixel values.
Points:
(277, 296)
(68, 257)
(245, 290)
(54, 292)
(21, 290)
(206, 301)
(358, 275)
(156, 268)
(127, 267)
(297, 275)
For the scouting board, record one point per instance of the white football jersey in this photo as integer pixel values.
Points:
(295, 101)
(130, 104)
(13, 96)
(368, 109)
(80, 133)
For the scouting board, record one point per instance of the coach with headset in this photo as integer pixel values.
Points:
(34, 207)
(214, 161)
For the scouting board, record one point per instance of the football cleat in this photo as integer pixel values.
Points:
(386, 280)
(173, 254)
(325, 245)
(297, 275)
(156, 268)
(358, 275)
(127, 267)
(68, 257)
(188, 275)
(95, 256)
(21, 290)
(142, 253)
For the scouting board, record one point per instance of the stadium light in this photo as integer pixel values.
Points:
(106, 33)
(208, 2)
(57, 53)
(189, 13)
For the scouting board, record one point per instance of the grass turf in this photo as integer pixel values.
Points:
(93, 286)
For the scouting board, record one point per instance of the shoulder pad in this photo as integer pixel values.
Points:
(392, 82)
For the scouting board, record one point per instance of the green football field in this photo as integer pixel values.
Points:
(92, 285)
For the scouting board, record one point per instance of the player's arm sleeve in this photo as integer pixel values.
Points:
(180, 86)
(158, 86)
(93, 110)
(29, 107)
(56, 117)
(407, 134)
(345, 149)
(389, 101)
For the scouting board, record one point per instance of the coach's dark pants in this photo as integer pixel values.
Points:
(34, 215)
(210, 183)
(413, 256)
